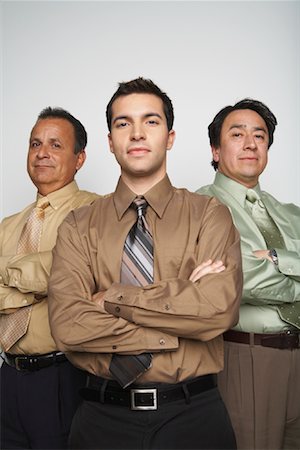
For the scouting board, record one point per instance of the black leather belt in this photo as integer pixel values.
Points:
(287, 340)
(34, 362)
(144, 397)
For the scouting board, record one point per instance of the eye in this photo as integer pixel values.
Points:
(56, 145)
(122, 124)
(260, 136)
(34, 144)
(153, 122)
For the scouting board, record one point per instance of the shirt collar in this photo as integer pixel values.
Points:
(234, 189)
(59, 197)
(157, 197)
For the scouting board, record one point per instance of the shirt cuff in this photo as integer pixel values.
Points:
(119, 298)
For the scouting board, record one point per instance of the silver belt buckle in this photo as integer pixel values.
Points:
(133, 399)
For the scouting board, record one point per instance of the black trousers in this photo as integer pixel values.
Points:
(37, 407)
(202, 424)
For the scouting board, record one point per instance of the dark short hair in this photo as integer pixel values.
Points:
(215, 128)
(79, 130)
(141, 86)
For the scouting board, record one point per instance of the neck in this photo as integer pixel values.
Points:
(248, 182)
(141, 185)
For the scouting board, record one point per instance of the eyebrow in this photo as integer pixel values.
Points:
(237, 125)
(145, 116)
(51, 140)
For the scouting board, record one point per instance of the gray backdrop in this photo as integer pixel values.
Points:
(204, 54)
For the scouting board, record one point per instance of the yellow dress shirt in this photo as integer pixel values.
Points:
(22, 277)
(181, 322)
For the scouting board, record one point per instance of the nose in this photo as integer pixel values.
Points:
(250, 142)
(43, 152)
(137, 132)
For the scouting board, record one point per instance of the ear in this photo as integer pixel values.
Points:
(215, 153)
(171, 139)
(110, 143)
(81, 156)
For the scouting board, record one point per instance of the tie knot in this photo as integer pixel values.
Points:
(140, 205)
(252, 196)
(41, 205)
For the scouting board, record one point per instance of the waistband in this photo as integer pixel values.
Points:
(287, 340)
(144, 397)
(34, 362)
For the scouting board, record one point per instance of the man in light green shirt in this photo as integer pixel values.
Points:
(259, 384)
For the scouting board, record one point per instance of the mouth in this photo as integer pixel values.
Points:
(138, 151)
(249, 158)
(42, 166)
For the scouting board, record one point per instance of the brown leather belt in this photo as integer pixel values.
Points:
(287, 340)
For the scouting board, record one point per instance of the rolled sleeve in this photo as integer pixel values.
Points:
(11, 298)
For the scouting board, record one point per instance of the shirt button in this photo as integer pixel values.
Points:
(167, 307)
(162, 342)
(120, 298)
(25, 301)
(114, 347)
(117, 309)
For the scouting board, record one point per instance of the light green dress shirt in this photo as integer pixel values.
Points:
(265, 286)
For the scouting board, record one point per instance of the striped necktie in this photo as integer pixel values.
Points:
(13, 326)
(289, 312)
(137, 262)
(136, 269)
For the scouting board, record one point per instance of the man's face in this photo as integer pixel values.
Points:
(51, 161)
(243, 151)
(139, 137)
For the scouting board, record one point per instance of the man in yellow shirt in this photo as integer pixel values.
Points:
(38, 385)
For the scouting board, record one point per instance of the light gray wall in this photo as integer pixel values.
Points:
(205, 55)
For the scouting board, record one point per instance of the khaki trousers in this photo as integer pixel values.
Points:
(261, 389)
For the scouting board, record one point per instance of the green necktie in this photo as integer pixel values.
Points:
(289, 312)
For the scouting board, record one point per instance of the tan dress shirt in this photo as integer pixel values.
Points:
(179, 321)
(22, 277)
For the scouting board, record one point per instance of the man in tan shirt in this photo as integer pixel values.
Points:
(177, 320)
(38, 385)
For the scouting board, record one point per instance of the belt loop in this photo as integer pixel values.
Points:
(251, 339)
(102, 390)
(186, 394)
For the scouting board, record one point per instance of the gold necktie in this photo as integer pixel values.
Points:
(289, 312)
(14, 326)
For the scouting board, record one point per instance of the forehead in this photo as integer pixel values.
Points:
(244, 118)
(54, 127)
(137, 105)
